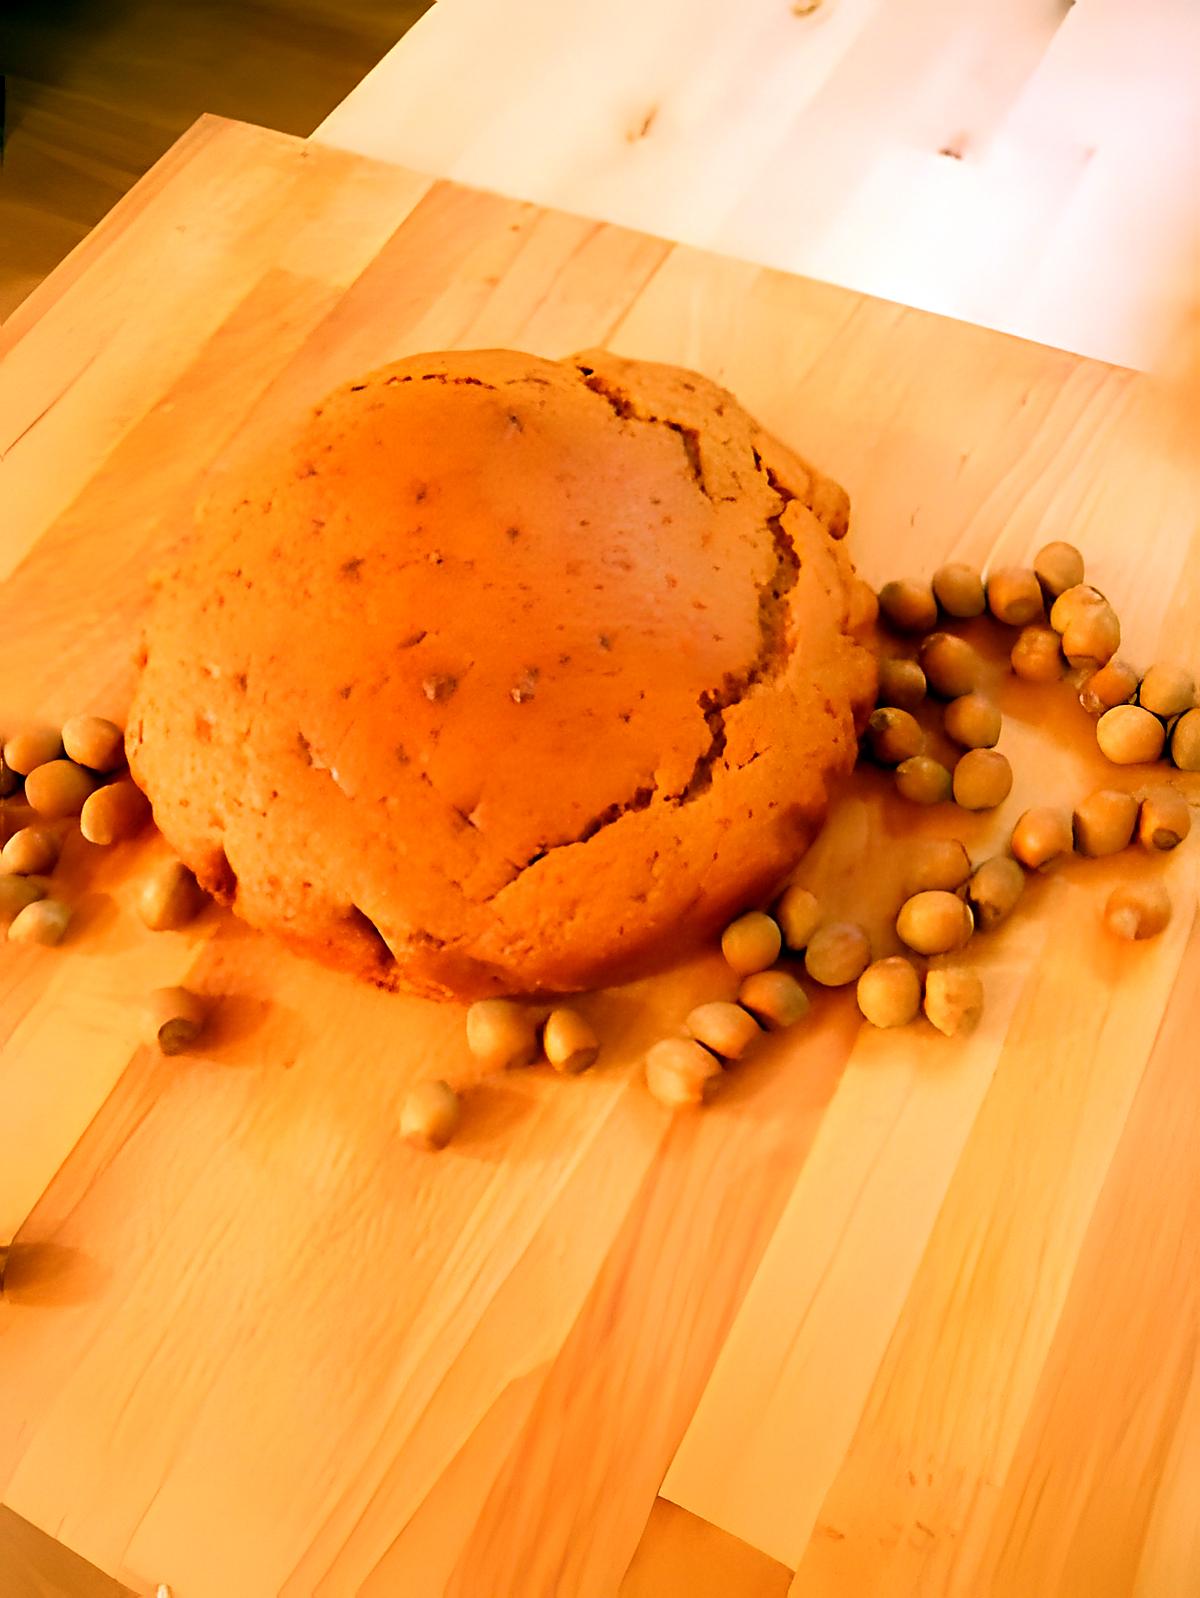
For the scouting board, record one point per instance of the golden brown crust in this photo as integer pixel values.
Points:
(506, 674)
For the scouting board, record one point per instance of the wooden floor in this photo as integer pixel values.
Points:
(99, 89)
(33, 1565)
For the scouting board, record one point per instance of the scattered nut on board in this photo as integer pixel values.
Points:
(901, 683)
(1167, 690)
(680, 1072)
(569, 1041)
(1014, 595)
(16, 893)
(430, 1114)
(1042, 837)
(1092, 635)
(798, 914)
(1058, 566)
(951, 666)
(958, 589)
(174, 1019)
(37, 746)
(31, 851)
(838, 953)
(889, 992)
(923, 781)
(894, 735)
(909, 606)
(934, 922)
(1164, 819)
(94, 742)
(1185, 741)
(982, 779)
(58, 788)
(953, 999)
(113, 813)
(1037, 655)
(973, 721)
(725, 1028)
(774, 998)
(1115, 683)
(937, 863)
(44, 921)
(751, 943)
(993, 891)
(501, 1034)
(1130, 736)
(1073, 602)
(169, 897)
(1138, 910)
(1103, 822)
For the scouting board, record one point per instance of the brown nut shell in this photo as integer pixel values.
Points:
(1103, 822)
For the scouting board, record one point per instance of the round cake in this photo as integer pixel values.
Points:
(505, 675)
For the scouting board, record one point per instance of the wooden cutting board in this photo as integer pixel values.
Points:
(897, 1316)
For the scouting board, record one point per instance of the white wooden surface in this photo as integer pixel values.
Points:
(1031, 166)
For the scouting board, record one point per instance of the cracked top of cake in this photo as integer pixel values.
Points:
(505, 674)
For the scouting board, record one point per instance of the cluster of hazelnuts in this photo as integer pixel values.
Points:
(53, 780)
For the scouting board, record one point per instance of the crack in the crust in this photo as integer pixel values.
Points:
(370, 936)
(604, 818)
(774, 646)
(428, 377)
(772, 655)
(218, 878)
(623, 406)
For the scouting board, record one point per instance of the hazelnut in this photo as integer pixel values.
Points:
(679, 1072)
(798, 914)
(889, 992)
(1014, 595)
(1042, 837)
(958, 589)
(1130, 736)
(838, 952)
(751, 943)
(1103, 823)
(430, 1114)
(1138, 910)
(909, 606)
(934, 922)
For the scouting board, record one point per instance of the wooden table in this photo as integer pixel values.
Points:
(897, 1316)
(1032, 166)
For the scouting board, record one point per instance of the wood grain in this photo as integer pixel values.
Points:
(954, 155)
(898, 1315)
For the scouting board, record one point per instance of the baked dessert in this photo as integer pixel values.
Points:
(505, 674)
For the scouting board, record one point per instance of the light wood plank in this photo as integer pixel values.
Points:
(251, 1344)
(951, 1398)
(959, 157)
(1088, 1475)
(703, 1217)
